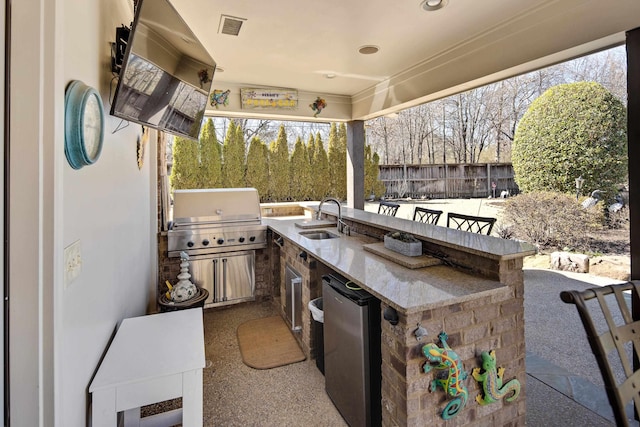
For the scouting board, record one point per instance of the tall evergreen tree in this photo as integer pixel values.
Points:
(227, 150)
(321, 180)
(210, 163)
(279, 167)
(233, 153)
(185, 169)
(337, 164)
(372, 183)
(311, 148)
(258, 167)
(300, 172)
(241, 158)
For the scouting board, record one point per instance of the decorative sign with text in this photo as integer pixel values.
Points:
(269, 98)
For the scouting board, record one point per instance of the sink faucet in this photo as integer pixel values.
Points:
(342, 227)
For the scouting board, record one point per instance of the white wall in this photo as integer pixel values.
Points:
(58, 334)
(107, 206)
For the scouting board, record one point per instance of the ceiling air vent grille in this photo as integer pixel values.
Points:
(230, 25)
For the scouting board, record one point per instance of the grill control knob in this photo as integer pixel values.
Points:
(252, 238)
(220, 241)
(190, 244)
(205, 242)
(241, 239)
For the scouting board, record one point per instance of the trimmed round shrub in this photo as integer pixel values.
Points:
(572, 130)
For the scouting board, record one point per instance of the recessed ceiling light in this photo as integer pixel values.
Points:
(330, 76)
(431, 5)
(219, 70)
(368, 50)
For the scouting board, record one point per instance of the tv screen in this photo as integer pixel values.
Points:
(166, 74)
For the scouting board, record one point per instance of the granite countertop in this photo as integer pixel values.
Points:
(408, 290)
(487, 246)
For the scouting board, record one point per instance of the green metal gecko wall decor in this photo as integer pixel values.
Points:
(446, 359)
(491, 381)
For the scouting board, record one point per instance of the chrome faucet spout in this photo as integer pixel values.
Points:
(342, 227)
(329, 199)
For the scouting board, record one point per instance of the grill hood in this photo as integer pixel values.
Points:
(219, 205)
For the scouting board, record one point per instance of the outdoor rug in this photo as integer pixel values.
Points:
(267, 343)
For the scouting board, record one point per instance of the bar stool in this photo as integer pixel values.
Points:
(388, 208)
(474, 224)
(427, 216)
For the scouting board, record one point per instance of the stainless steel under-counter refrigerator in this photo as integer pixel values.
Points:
(352, 351)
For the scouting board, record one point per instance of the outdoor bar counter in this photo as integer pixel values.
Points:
(475, 296)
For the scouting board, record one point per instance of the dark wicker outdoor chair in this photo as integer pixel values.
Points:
(618, 343)
(474, 224)
(428, 216)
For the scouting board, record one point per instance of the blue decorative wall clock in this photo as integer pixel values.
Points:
(83, 124)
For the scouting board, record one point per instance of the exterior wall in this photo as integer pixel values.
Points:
(63, 329)
(109, 207)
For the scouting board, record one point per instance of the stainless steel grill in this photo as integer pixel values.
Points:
(219, 229)
(216, 221)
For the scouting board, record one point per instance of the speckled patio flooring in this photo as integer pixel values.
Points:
(237, 395)
(294, 395)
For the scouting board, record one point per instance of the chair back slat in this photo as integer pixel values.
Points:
(388, 208)
(428, 216)
(474, 224)
(614, 343)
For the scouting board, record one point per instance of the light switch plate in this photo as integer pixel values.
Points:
(72, 262)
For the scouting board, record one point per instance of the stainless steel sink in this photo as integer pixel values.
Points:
(318, 235)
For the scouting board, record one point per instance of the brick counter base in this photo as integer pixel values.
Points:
(488, 323)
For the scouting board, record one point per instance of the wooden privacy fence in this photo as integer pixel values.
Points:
(444, 181)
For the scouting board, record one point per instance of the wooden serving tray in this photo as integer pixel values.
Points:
(406, 261)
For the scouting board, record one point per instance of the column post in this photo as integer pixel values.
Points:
(355, 164)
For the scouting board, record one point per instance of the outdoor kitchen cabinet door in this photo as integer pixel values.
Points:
(229, 277)
(234, 277)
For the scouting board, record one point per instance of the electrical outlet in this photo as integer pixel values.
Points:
(72, 262)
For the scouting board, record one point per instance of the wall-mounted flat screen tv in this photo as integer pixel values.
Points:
(166, 74)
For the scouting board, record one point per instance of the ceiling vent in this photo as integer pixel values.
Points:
(230, 25)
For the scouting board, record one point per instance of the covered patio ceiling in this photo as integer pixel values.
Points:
(313, 47)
